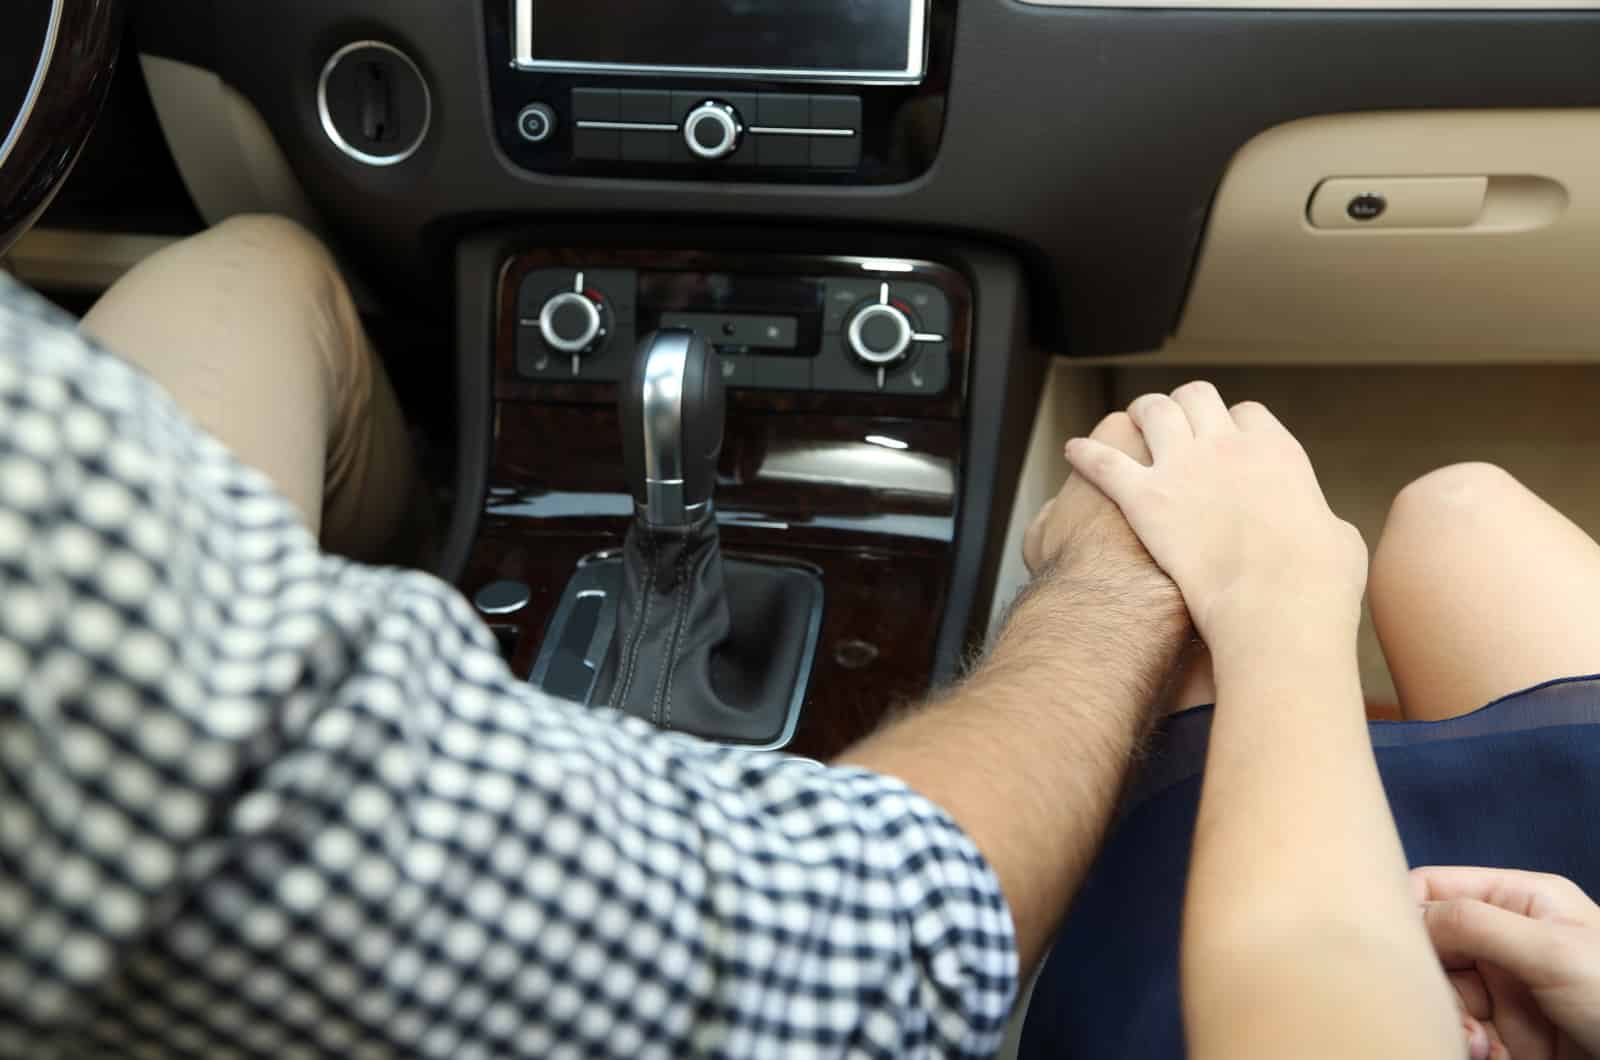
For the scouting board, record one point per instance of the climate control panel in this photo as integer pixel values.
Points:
(892, 334)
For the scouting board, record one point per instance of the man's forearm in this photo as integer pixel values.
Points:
(1030, 752)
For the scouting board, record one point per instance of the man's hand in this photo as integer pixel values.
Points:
(1080, 521)
(1522, 950)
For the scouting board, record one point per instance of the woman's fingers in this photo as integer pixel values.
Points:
(1119, 431)
(1254, 416)
(1472, 993)
(1107, 468)
(1201, 403)
(1465, 930)
(1166, 429)
(1535, 894)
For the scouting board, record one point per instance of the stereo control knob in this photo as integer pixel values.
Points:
(571, 323)
(713, 130)
(880, 335)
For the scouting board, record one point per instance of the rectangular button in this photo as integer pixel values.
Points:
(594, 104)
(612, 361)
(646, 146)
(835, 152)
(783, 111)
(645, 106)
(783, 373)
(598, 144)
(931, 305)
(836, 112)
(928, 372)
(780, 151)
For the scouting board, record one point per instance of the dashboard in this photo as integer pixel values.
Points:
(1089, 141)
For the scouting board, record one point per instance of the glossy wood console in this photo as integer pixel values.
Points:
(798, 479)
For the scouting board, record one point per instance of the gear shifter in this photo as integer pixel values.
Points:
(672, 410)
(718, 648)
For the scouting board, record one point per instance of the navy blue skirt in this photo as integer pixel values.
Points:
(1514, 785)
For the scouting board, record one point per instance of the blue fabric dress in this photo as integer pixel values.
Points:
(1514, 785)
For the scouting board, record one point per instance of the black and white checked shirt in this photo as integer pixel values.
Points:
(256, 801)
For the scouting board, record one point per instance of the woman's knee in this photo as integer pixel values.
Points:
(1452, 493)
(1440, 503)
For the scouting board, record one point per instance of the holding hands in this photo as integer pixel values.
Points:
(1230, 508)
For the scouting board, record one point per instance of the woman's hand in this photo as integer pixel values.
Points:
(1231, 510)
(1523, 952)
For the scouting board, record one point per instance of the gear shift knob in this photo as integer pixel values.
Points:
(672, 408)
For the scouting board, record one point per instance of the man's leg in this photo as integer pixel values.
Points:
(1480, 589)
(253, 331)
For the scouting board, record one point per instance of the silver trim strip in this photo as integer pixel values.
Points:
(332, 132)
(925, 337)
(47, 54)
(1332, 5)
(629, 126)
(777, 130)
(915, 69)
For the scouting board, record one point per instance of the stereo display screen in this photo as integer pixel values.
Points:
(860, 40)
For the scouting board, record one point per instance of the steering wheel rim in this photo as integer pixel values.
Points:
(41, 143)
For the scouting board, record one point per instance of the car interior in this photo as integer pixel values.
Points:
(811, 293)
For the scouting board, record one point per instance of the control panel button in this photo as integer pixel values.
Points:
(599, 145)
(782, 110)
(647, 107)
(781, 373)
(880, 334)
(645, 146)
(925, 374)
(594, 104)
(783, 150)
(835, 152)
(738, 370)
(556, 310)
(536, 123)
(836, 112)
(929, 303)
(843, 296)
(713, 130)
(571, 323)
(837, 370)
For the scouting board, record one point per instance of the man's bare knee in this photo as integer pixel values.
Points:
(278, 247)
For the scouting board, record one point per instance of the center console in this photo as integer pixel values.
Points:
(828, 91)
(867, 433)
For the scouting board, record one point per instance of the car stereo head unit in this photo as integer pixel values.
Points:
(835, 41)
(800, 91)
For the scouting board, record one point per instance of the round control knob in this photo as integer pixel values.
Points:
(570, 323)
(880, 334)
(712, 130)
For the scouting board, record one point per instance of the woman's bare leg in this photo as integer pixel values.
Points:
(1480, 589)
(252, 330)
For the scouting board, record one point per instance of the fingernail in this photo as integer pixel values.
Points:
(1478, 1046)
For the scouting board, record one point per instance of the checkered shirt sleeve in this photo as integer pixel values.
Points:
(256, 801)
